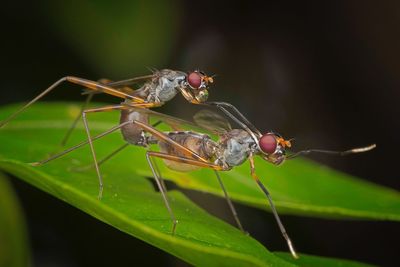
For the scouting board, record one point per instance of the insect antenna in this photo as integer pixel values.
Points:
(332, 152)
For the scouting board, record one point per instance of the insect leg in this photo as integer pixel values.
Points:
(112, 154)
(178, 159)
(100, 162)
(216, 168)
(188, 96)
(89, 97)
(163, 137)
(95, 86)
(157, 169)
(103, 109)
(271, 203)
(252, 132)
(230, 204)
(73, 125)
(244, 122)
(144, 126)
(200, 164)
(163, 192)
(186, 160)
(60, 154)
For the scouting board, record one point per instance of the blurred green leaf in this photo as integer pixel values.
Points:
(14, 245)
(117, 39)
(131, 204)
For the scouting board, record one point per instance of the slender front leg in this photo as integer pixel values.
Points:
(188, 96)
(243, 121)
(271, 203)
(252, 132)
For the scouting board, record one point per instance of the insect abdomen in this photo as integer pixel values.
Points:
(131, 132)
(195, 142)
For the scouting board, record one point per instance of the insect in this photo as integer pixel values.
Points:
(189, 150)
(155, 90)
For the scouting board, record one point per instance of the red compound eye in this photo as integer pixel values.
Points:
(194, 80)
(268, 143)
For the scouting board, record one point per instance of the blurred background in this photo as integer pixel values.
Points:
(326, 74)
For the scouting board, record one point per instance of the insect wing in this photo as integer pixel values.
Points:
(212, 121)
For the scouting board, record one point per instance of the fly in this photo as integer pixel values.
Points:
(189, 150)
(155, 90)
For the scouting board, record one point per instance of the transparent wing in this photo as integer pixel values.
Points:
(212, 121)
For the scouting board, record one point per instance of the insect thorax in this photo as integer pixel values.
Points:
(235, 147)
(163, 87)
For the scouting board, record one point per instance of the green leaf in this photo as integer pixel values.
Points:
(131, 204)
(14, 245)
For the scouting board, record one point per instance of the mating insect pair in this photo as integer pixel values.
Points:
(182, 150)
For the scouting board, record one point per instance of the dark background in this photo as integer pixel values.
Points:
(324, 73)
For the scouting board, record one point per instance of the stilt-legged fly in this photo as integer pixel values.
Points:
(155, 90)
(189, 150)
